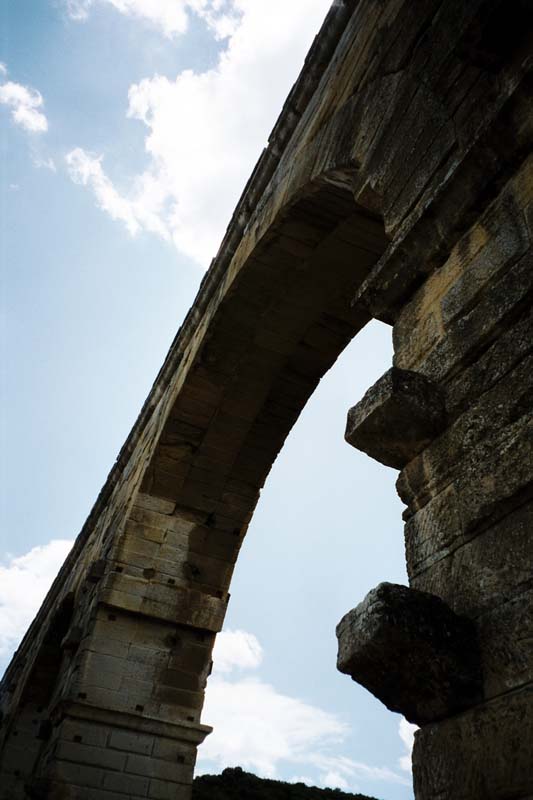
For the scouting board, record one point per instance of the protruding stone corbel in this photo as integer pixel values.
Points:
(397, 418)
(412, 652)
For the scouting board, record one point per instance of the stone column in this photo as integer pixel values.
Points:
(454, 653)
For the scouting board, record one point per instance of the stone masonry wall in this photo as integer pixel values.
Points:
(397, 185)
(468, 330)
(469, 495)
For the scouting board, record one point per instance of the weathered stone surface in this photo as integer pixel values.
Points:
(506, 638)
(397, 184)
(484, 753)
(397, 418)
(472, 575)
(412, 651)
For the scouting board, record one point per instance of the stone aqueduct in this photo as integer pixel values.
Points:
(398, 185)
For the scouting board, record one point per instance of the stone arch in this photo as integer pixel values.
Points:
(153, 574)
(277, 328)
(29, 730)
(152, 566)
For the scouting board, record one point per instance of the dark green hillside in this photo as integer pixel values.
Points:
(235, 784)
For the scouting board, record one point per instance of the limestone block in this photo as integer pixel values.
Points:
(495, 363)
(171, 603)
(475, 330)
(68, 772)
(495, 242)
(79, 753)
(161, 790)
(91, 734)
(412, 652)
(433, 532)
(131, 742)
(484, 753)
(507, 241)
(475, 576)
(156, 504)
(506, 455)
(506, 641)
(397, 418)
(157, 768)
(123, 783)
(172, 750)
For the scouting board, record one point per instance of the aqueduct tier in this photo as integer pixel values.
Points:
(397, 184)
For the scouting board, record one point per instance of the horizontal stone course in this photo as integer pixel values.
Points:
(498, 734)
(397, 185)
(156, 768)
(509, 349)
(476, 575)
(126, 784)
(131, 742)
(489, 248)
(506, 454)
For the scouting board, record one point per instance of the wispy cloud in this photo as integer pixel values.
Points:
(44, 163)
(205, 131)
(24, 581)
(86, 169)
(25, 103)
(342, 772)
(262, 730)
(258, 728)
(142, 210)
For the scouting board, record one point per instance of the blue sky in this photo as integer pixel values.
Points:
(127, 131)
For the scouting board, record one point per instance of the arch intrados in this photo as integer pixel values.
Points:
(275, 332)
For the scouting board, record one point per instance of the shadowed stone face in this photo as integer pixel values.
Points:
(379, 195)
(412, 652)
(397, 418)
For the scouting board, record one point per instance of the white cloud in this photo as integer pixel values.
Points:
(24, 103)
(171, 17)
(86, 169)
(350, 771)
(407, 735)
(258, 728)
(236, 649)
(206, 130)
(78, 9)
(334, 780)
(44, 163)
(302, 779)
(142, 210)
(24, 582)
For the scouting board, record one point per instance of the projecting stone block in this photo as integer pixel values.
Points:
(397, 418)
(412, 652)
